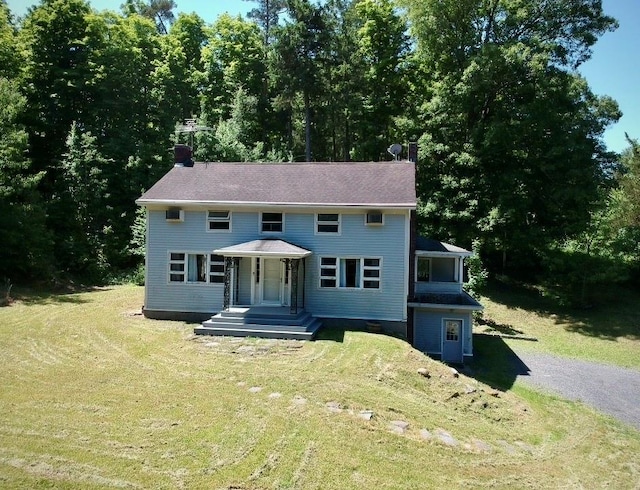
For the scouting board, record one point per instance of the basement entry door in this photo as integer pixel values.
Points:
(452, 341)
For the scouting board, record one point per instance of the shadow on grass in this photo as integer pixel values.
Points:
(494, 363)
(331, 334)
(47, 296)
(615, 315)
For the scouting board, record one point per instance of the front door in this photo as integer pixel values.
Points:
(452, 341)
(271, 281)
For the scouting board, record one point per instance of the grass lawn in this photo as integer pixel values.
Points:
(96, 396)
(609, 332)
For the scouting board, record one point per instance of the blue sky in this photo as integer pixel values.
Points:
(613, 70)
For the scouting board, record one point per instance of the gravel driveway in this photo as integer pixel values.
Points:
(610, 389)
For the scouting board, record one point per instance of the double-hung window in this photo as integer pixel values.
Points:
(328, 223)
(216, 268)
(272, 222)
(219, 221)
(350, 273)
(328, 272)
(371, 273)
(195, 268)
(177, 267)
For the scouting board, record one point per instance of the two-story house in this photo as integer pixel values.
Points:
(276, 249)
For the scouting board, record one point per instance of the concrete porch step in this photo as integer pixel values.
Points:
(264, 319)
(261, 322)
(265, 334)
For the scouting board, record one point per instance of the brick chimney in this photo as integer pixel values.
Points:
(182, 156)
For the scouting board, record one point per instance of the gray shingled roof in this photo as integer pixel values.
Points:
(359, 184)
(265, 247)
(437, 300)
(424, 244)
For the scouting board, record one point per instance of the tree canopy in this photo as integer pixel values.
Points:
(510, 136)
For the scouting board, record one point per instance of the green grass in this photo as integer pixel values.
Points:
(609, 332)
(95, 396)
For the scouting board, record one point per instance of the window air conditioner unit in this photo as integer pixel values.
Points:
(174, 214)
(374, 217)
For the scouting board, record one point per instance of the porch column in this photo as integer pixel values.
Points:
(228, 265)
(304, 281)
(294, 263)
(236, 280)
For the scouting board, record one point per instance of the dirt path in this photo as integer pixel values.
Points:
(610, 389)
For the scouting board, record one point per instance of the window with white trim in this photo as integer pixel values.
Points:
(271, 222)
(177, 267)
(196, 268)
(216, 268)
(219, 221)
(371, 273)
(350, 273)
(328, 223)
(328, 272)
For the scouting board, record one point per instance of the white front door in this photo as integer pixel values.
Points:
(271, 281)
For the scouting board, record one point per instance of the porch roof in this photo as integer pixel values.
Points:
(264, 248)
(446, 301)
(429, 247)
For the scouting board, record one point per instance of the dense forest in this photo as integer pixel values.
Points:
(511, 157)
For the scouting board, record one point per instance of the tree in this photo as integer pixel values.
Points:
(511, 142)
(237, 139)
(383, 46)
(266, 15)
(159, 11)
(83, 250)
(298, 52)
(625, 198)
(9, 56)
(55, 78)
(233, 59)
(188, 37)
(136, 78)
(25, 242)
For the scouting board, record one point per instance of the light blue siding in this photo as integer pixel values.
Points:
(356, 240)
(427, 330)
(387, 242)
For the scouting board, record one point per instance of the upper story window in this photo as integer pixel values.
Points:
(438, 269)
(272, 223)
(373, 218)
(423, 269)
(219, 221)
(328, 223)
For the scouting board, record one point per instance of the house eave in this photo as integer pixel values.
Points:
(252, 204)
(426, 253)
(442, 306)
(271, 255)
